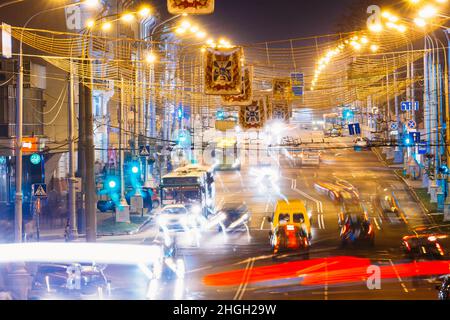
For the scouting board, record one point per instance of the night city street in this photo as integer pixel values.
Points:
(190, 152)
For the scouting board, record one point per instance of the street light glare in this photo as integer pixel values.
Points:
(90, 23)
(92, 3)
(185, 24)
(106, 26)
(128, 17)
(427, 12)
(150, 57)
(201, 34)
(374, 48)
(144, 12)
(376, 27)
(180, 30)
(420, 22)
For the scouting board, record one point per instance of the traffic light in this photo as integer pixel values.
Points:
(112, 183)
(135, 168)
(35, 159)
(180, 113)
(408, 141)
(443, 169)
(347, 114)
(220, 115)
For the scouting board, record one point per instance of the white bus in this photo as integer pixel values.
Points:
(188, 186)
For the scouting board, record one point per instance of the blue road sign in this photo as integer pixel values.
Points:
(408, 105)
(144, 151)
(39, 190)
(354, 129)
(297, 91)
(394, 126)
(415, 136)
(297, 79)
(423, 148)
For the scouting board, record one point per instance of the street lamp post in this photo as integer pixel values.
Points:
(18, 214)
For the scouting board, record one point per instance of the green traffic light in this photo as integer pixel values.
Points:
(35, 159)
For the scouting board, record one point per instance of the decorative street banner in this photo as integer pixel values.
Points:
(282, 88)
(190, 6)
(246, 98)
(223, 72)
(252, 116)
(281, 110)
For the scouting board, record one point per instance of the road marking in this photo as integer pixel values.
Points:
(246, 277)
(398, 276)
(198, 270)
(262, 223)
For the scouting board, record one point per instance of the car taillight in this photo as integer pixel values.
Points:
(438, 246)
(407, 245)
(345, 229)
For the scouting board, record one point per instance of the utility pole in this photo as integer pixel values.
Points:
(124, 208)
(72, 180)
(91, 199)
(18, 152)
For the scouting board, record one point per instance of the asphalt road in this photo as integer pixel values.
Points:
(241, 266)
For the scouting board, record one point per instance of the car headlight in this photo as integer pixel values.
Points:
(196, 209)
(162, 220)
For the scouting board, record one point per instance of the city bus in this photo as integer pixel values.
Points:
(189, 186)
(226, 154)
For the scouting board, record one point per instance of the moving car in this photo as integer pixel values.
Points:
(357, 229)
(69, 281)
(362, 144)
(235, 216)
(428, 243)
(291, 212)
(178, 218)
(387, 204)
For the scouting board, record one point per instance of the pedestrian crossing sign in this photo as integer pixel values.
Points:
(39, 190)
(144, 151)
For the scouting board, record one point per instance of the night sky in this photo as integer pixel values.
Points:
(242, 21)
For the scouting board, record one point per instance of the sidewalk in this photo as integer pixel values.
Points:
(106, 226)
(416, 190)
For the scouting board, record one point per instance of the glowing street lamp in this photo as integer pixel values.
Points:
(150, 58)
(128, 17)
(106, 26)
(428, 12)
(420, 22)
(376, 27)
(144, 12)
